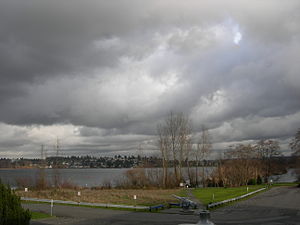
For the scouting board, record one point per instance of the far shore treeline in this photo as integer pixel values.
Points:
(116, 161)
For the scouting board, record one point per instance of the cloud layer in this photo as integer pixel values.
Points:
(100, 75)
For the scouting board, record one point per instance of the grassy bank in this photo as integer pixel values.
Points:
(208, 195)
(112, 196)
(39, 215)
(285, 184)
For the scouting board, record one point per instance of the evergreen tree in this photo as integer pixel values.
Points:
(11, 211)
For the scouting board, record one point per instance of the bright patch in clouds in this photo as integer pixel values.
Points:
(237, 38)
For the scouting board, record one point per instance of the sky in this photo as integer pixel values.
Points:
(100, 75)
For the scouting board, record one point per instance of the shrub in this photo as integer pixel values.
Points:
(11, 211)
(259, 180)
(252, 182)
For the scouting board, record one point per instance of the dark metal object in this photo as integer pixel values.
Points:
(156, 207)
(186, 203)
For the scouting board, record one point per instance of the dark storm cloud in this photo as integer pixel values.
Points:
(114, 69)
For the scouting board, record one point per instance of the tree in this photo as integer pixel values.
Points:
(164, 150)
(174, 135)
(11, 211)
(239, 166)
(184, 143)
(295, 144)
(267, 150)
(187, 157)
(202, 151)
(243, 169)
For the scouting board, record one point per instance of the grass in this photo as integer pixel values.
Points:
(208, 195)
(145, 197)
(284, 184)
(39, 215)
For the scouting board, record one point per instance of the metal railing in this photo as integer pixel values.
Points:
(215, 204)
(86, 203)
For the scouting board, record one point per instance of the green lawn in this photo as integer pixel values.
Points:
(284, 184)
(212, 194)
(39, 215)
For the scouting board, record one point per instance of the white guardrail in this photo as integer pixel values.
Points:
(85, 203)
(212, 205)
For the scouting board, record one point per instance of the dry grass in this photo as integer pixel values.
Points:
(112, 196)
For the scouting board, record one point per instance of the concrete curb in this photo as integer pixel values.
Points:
(212, 205)
(86, 203)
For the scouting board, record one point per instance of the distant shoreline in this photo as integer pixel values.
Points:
(29, 168)
(11, 168)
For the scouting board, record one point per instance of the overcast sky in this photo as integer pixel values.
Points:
(100, 75)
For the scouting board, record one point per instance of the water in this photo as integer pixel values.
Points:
(91, 177)
(79, 177)
(290, 176)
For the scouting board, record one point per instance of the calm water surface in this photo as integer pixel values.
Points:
(80, 177)
(92, 177)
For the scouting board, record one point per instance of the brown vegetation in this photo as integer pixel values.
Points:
(295, 146)
(174, 137)
(240, 166)
(112, 196)
(247, 164)
(177, 150)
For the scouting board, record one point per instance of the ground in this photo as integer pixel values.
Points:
(145, 197)
(215, 194)
(278, 206)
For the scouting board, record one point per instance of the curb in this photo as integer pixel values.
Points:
(212, 205)
(85, 203)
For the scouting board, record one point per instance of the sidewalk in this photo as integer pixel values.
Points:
(192, 197)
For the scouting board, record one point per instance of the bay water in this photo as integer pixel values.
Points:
(91, 177)
(79, 177)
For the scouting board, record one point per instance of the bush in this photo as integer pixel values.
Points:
(252, 182)
(11, 211)
(259, 180)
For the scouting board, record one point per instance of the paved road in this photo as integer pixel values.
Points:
(279, 206)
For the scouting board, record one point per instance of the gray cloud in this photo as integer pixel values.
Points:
(114, 69)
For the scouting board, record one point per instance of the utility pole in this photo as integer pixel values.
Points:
(56, 166)
(41, 182)
(57, 147)
(42, 152)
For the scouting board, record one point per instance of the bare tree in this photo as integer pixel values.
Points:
(184, 143)
(174, 134)
(164, 149)
(202, 151)
(295, 144)
(267, 150)
(187, 159)
(240, 165)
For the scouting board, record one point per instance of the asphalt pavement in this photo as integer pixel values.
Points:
(278, 206)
